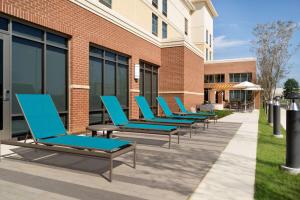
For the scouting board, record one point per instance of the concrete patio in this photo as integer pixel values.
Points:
(161, 173)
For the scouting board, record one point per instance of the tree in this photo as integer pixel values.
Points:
(273, 48)
(291, 85)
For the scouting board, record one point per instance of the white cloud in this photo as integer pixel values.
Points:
(222, 42)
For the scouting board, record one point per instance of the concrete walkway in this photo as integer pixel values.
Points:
(233, 175)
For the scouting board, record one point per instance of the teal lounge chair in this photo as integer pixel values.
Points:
(49, 133)
(210, 115)
(168, 113)
(119, 119)
(150, 118)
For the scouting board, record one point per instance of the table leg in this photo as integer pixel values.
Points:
(94, 133)
(108, 134)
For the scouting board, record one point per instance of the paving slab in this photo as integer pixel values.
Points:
(233, 174)
(161, 173)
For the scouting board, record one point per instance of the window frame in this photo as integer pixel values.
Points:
(186, 26)
(154, 17)
(45, 43)
(164, 33)
(103, 58)
(155, 3)
(165, 7)
(154, 70)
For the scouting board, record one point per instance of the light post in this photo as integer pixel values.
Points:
(292, 164)
(276, 118)
(270, 113)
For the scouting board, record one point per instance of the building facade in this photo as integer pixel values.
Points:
(77, 50)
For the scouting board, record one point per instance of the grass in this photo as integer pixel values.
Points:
(270, 181)
(223, 113)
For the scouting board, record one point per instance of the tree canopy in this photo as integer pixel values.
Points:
(291, 85)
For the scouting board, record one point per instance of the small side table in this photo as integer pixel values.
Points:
(102, 127)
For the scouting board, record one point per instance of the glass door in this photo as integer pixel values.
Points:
(4, 87)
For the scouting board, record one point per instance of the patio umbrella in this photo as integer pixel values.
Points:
(246, 85)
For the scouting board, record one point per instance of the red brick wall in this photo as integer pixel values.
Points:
(233, 67)
(84, 28)
(181, 74)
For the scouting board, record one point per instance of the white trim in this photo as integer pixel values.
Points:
(134, 90)
(115, 18)
(182, 42)
(75, 86)
(231, 60)
(181, 92)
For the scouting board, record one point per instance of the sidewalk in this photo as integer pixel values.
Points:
(233, 174)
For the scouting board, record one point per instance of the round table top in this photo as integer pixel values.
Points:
(102, 127)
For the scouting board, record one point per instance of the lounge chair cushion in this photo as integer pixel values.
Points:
(175, 121)
(114, 110)
(87, 142)
(41, 115)
(149, 127)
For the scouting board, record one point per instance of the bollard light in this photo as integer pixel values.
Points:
(270, 113)
(276, 118)
(292, 164)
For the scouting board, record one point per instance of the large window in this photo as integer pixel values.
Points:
(164, 30)
(214, 78)
(108, 75)
(239, 95)
(165, 7)
(240, 77)
(154, 24)
(149, 83)
(210, 40)
(106, 2)
(39, 65)
(206, 53)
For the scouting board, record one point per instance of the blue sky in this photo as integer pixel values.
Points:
(237, 18)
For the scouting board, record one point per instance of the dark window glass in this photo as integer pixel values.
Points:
(211, 78)
(149, 84)
(96, 52)
(3, 24)
(186, 26)
(244, 77)
(217, 78)
(26, 69)
(28, 31)
(206, 54)
(231, 77)
(123, 59)
(210, 55)
(237, 78)
(56, 76)
(109, 78)
(154, 89)
(205, 78)
(165, 7)
(95, 78)
(222, 78)
(210, 40)
(155, 3)
(57, 40)
(106, 3)
(122, 83)
(110, 56)
(164, 30)
(250, 77)
(154, 24)
(206, 38)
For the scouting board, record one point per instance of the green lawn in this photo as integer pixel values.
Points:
(223, 113)
(270, 181)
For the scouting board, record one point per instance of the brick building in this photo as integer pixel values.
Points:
(77, 50)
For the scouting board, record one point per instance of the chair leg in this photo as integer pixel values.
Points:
(110, 169)
(134, 157)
